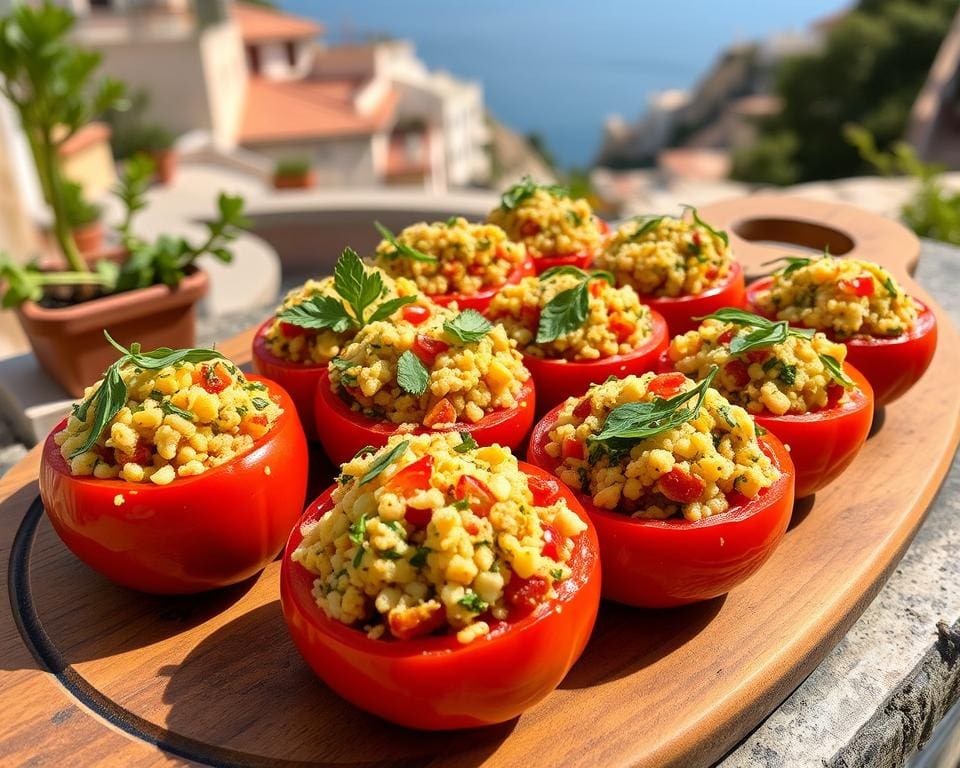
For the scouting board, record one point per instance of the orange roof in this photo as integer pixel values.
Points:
(308, 109)
(260, 24)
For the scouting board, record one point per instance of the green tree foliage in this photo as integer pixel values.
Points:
(872, 66)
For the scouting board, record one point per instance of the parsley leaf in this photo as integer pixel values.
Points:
(526, 188)
(358, 287)
(835, 369)
(472, 602)
(564, 313)
(468, 327)
(319, 312)
(467, 443)
(412, 375)
(402, 249)
(384, 461)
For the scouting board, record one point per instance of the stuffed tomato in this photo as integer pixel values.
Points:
(317, 320)
(682, 269)
(555, 229)
(890, 337)
(575, 329)
(466, 587)
(687, 499)
(454, 261)
(448, 371)
(793, 381)
(176, 473)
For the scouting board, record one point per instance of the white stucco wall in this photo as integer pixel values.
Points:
(347, 161)
(275, 61)
(225, 78)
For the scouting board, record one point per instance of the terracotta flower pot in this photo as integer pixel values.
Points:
(165, 161)
(295, 180)
(69, 341)
(89, 238)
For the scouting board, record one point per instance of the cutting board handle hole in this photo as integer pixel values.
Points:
(795, 234)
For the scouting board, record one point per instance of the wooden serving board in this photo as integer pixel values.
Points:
(94, 673)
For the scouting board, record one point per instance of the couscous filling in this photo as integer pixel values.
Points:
(846, 297)
(173, 420)
(667, 257)
(570, 314)
(659, 446)
(438, 369)
(461, 257)
(547, 220)
(433, 534)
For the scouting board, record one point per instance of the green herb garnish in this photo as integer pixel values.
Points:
(260, 403)
(646, 224)
(467, 443)
(568, 310)
(788, 374)
(364, 451)
(700, 222)
(472, 602)
(891, 288)
(835, 369)
(525, 188)
(402, 249)
(384, 461)
(557, 574)
(419, 558)
(468, 327)
(793, 264)
(766, 333)
(171, 410)
(412, 374)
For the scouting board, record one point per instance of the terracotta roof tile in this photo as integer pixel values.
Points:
(258, 24)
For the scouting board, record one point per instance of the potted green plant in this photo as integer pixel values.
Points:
(84, 219)
(294, 173)
(151, 295)
(158, 142)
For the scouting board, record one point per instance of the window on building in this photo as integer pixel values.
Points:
(291, 53)
(253, 59)
(96, 5)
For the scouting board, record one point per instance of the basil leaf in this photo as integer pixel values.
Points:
(384, 461)
(700, 222)
(319, 312)
(563, 314)
(566, 269)
(342, 364)
(646, 224)
(110, 397)
(452, 221)
(412, 375)
(793, 264)
(260, 403)
(402, 249)
(835, 369)
(526, 188)
(468, 327)
(467, 443)
(737, 316)
(761, 337)
(390, 306)
(171, 410)
(358, 287)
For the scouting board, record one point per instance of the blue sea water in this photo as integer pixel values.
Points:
(559, 67)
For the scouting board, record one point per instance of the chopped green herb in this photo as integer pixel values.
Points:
(358, 529)
(468, 327)
(727, 416)
(384, 461)
(358, 557)
(836, 371)
(700, 222)
(171, 410)
(341, 364)
(793, 264)
(412, 375)
(461, 504)
(467, 443)
(472, 602)
(770, 364)
(402, 249)
(364, 451)
(391, 554)
(419, 558)
(574, 218)
(788, 374)
(526, 187)
(646, 224)
(452, 221)
(557, 574)
(343, 478)
(260, 403)
(891, 288)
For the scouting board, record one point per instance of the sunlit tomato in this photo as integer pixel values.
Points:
(412, 478)
(476, 494)
(666, 385)
(559, 379)
(481, 299)
(195, 534)
(891, 364)
(433, 682)
(857, 286)
(662, 563)
(679, 312)
(442, 412)
(680, 486)
(583, 259)
(343, 431)
(427, 348)
(415, 314)
(298, 379)
(545, 490)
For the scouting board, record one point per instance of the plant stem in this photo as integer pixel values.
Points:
(73, 278)
(54, 183)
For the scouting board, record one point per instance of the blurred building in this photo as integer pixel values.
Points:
(251, 79)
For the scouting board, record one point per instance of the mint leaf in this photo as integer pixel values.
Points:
(646, 224)
(760, 338)
(318, 313)
(383, 461)
(171, 410)
(563, 314)
(412, 375)
(402, 249)
(468, 327)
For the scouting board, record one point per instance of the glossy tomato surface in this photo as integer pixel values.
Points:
(481, 299)
(299, 379)
(344, 431)
(437, 683)
(582, 260)
(663, 563)
(195, 534)
(679, 312)
(557, 380)
(891, 364)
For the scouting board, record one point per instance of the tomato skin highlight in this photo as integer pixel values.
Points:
(415, 314)
(858, 286)
(666, 385)
(680, 311)
(482, 298)
(427, 348)
(476, 493)
(343, 431)
(559, 379)
(298, 379)
(433, 682)
(413, 477)
(891, 364)
(195, 534)
(664, 563)
(545, 490)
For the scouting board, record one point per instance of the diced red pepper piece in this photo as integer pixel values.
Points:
(712, 273)
(415, 313)
(737, 370)
(552, 543)
(666, 385)
(596, 287)
(418, 518)
(545, 490)
(413, 477)
(858, 286)
(523, 595)
(571, 449)
(681, 486)
(427, 348)
(408, 624)
(622, 328)
(529, 229)
(582, 409)
(530, 315)
(142, 454)
(291, 331)
(725, 337)
(757, 355)
(442, 412)
(476, 492)
(834, 393)
(214, 379)
(697, 239)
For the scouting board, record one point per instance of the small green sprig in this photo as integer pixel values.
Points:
(358, 290)
(568, 310)
(793, 263)
(111, 396)
(526, 188)
(382, 462)
(401, 249)
(700, 222)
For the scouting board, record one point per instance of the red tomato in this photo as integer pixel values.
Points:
(481, 299)
(583, 260)
(552, 542)
(891, 364)
(662, 563)
(298, 379)
(529, 229)
(666, 385)
(476, 493)
(545, 490)
(212, 377)
(442, 412)
(571, 448)
(680, 311)
(427, 348)
(433, 682)
(415, 313)
(737, 370)
(195, 534)
(291, 331)
(413, 477)
(681, 486)
(559, 379)
(524, 595)
(857, 286)
(343, 431)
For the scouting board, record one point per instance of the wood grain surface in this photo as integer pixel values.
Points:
(95, 674)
